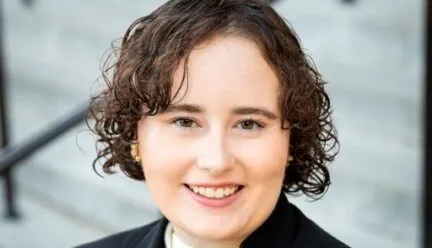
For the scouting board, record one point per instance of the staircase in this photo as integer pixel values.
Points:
(369, 52)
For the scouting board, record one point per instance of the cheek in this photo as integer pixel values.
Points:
(160, 156)
(266, 158)
(166, 157)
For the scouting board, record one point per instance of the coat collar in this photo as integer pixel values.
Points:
(155, 237)
(280, 228)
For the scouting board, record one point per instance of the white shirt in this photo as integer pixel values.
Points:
(171, 240)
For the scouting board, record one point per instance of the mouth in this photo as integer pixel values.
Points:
(215, 192)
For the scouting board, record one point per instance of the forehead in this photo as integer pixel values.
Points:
(227, 70)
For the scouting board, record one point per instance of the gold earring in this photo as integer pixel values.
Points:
(290, 158)
(134, 152)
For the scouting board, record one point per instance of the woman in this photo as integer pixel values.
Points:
(214, 104)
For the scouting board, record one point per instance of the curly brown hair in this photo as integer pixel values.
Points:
(151, 50)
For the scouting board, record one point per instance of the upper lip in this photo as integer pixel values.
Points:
(215, 185)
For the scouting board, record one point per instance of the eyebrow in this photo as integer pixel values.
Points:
(190, 108)
(195, 109)
(254, 111)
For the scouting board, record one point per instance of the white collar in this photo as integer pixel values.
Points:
(172, 240)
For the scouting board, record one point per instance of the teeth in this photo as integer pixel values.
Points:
(227, 191)
(201, 190)
(195, 189)
(219, 193)
(211, 192)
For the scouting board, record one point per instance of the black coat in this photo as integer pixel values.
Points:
(287, 227)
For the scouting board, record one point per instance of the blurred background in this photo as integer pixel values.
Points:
(370, 52)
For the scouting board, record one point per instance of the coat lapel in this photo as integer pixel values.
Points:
(155, 237)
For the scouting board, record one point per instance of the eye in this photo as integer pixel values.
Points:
(250, 125)
(185, 122)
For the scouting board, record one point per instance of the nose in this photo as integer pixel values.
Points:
(214, 154)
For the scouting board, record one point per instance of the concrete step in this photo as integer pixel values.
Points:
(43, 225)
(60, 177)
(370, 54)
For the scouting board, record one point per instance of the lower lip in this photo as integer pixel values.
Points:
(214, 202)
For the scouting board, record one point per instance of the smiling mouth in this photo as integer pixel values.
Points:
(215, 192)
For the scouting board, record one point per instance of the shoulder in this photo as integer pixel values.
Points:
(129, 238)
(311, 235)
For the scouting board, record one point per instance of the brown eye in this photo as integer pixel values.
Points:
(250, 125)
(184, 122)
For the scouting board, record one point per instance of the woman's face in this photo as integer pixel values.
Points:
(215, 160)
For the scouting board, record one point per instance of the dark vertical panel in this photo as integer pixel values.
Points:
(6, 174)
(427, 220)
